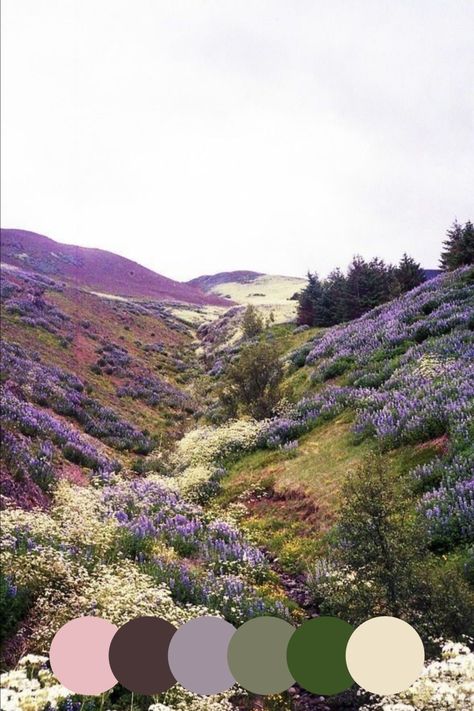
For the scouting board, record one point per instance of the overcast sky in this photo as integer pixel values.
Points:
(196, 136)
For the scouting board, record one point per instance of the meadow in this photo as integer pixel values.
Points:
(125, 491)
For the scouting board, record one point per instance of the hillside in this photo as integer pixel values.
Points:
(269, 293)
(398, 379)
(208, 282)
(122, 499)
(100, 363)
(95, 269)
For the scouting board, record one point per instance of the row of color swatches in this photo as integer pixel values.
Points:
(266, 655)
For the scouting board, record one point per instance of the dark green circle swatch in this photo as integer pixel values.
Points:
(316, 655)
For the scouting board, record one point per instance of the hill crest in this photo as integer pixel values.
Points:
(96, 269)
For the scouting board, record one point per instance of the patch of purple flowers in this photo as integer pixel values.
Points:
(148, 510)
(448, 505)
(64, 393)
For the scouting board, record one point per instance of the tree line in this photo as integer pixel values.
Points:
(366, 284)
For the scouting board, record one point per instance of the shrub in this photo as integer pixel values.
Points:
(252, 322)
(379, 561)
(252, 383)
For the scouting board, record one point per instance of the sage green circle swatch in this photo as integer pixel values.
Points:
(316, 655)
(257, 655)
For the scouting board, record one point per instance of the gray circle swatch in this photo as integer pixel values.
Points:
(197, 655)
(257, 655)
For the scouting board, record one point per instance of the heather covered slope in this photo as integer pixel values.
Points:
(398, 380)
(95, 269)
(111, 373)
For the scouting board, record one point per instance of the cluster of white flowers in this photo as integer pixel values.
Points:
(194, 482)
(446, 684)
(82, 519)
(212, 445)
(36, 525)
(77, 518)
(31, 687)
(179, 698)
(201, 452)
(121, 592)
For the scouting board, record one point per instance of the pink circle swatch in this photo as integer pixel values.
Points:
(79, 655)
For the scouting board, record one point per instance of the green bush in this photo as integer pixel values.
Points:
(13, 605)
(379, 562)
(252, 382)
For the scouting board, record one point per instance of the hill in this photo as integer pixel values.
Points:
(95, 269)
(121, 499)
(398, 379)
(266, 291)
(208, 282)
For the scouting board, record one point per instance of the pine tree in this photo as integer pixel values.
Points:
(458, 247)
(333, 301)
(408, 273)
(310, 301)
(358, 293)
(379, 282)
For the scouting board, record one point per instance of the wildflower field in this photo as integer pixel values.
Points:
(124, 492)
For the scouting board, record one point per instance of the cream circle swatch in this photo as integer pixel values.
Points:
(79, 655)
(385, 655)
(197, 655)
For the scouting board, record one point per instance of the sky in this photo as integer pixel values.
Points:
(197, 136)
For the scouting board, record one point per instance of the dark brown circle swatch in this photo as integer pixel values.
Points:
(138, 655)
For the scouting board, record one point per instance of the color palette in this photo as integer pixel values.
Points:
(266, 655)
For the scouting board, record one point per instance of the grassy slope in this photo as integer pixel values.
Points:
(292, 500)
(108, 322)
(268, 292)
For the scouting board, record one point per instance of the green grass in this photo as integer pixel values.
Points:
(292, 501)
(267, 292)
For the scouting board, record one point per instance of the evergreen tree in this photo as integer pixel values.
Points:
(333, 301)
(408, 274)
(310, 301)
(380, 280)
(458, 247)
(358, 293)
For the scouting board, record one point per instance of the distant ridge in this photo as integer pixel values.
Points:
(96, 269)
(208, 281)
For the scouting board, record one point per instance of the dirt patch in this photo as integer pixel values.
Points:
(74, 474)
(439, 445)
(290, 505)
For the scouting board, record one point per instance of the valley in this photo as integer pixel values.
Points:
(128, 488)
